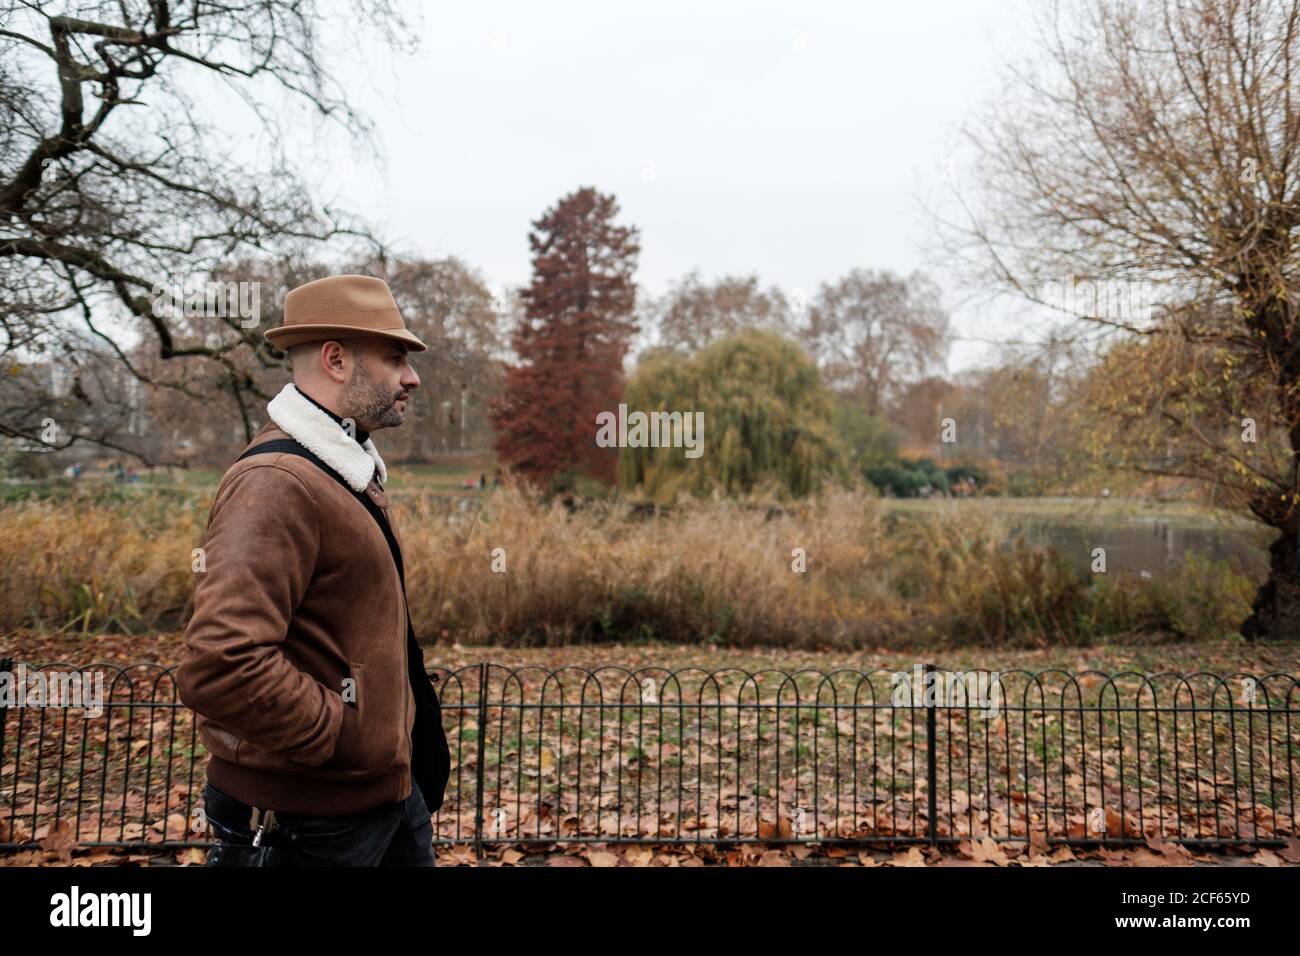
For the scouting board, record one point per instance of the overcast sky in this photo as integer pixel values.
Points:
(792, 140)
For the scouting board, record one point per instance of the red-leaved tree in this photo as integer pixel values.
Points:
(570, 343)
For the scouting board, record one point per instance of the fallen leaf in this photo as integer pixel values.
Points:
(640, 856)
(988, 851)
(60, 839)
(912, 857)
(1292, 852)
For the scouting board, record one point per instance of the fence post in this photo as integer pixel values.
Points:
(478, 764)
(931, 766)
(7, 666)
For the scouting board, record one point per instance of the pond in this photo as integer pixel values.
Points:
(1148, 543)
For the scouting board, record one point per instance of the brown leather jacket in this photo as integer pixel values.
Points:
(299, 594)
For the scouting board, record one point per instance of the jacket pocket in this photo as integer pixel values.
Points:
(386, 732)
(356, 756)
(357, 671)
(371, 746)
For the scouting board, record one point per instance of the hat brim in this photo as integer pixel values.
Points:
(284, 337)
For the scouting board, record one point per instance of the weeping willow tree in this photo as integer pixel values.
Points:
(767, 420)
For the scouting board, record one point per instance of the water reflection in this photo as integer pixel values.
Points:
(1154, 545)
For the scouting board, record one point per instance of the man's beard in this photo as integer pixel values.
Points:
(370, 403)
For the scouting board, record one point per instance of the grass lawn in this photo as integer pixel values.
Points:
(446, 473)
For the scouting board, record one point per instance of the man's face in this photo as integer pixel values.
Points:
(379, 388)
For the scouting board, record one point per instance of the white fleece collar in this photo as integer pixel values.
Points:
(324, 438)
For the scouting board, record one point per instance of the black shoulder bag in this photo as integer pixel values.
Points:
(430, 755)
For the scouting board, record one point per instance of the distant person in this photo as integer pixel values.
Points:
(482, 481)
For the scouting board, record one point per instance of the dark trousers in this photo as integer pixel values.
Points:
(397, 834)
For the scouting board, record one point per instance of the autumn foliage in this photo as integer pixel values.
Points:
(570, 342)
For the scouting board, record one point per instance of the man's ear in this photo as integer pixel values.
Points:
(336, 359)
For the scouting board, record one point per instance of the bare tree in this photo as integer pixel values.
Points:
(1024, 411)
(694, 313)
(450, 307)
(872, 332)
(1153, 150)
(197, 426)
(113, 189)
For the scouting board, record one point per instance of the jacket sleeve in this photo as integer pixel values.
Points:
(262, 541)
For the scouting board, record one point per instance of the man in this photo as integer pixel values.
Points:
(301, 664)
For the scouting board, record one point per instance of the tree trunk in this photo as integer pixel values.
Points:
(1276, 612)
(1275, 615)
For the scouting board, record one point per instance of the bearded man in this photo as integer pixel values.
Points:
(324, 732)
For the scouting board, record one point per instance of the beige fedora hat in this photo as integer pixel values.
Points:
(338, 307)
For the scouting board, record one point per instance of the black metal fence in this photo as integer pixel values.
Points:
(544, 757)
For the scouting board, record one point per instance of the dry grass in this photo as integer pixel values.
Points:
(723, 572)
(88, 565)
(717, 572)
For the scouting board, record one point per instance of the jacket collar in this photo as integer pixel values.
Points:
(316, 431)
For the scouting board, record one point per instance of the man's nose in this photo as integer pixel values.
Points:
(411, 381)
